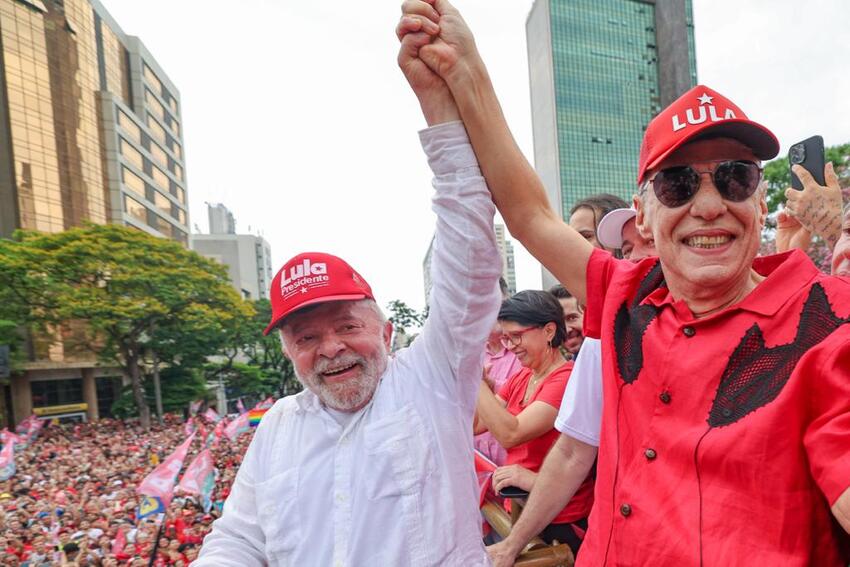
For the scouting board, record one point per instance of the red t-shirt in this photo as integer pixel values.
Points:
(724, 439)
(531, 453)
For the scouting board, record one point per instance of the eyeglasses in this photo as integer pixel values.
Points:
(735, 180)
(514, 339)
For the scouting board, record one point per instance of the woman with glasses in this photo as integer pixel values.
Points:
(521, 415)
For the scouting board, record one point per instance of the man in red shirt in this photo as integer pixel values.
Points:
(726, 422)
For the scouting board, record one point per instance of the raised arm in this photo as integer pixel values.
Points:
(515, 186)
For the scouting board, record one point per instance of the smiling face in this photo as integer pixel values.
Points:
(339, 351)
(573, 321)
(841, 252)
(533, 347)
(708, 244)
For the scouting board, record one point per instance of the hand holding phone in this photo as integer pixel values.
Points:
(808, 154)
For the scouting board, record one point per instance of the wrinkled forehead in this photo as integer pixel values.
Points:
(707, 150)
(327, 311)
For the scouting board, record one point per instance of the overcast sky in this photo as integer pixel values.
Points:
(296, 117)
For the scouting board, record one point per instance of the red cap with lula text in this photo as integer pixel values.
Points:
(701, 112)
(310, 278)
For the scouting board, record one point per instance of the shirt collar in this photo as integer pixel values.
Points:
(784, 274)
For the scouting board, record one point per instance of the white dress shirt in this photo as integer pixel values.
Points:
(395, 486)
(580, 415)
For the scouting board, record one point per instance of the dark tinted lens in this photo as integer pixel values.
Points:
(675, 186)
(736, 180)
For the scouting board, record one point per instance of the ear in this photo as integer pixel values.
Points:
(642, 218)
(550, 329)
(388, 335)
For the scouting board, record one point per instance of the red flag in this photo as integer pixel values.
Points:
(160, 482)
(193, 479)
(119, 542)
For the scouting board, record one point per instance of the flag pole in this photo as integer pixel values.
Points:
(158, 537)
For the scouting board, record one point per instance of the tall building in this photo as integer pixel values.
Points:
(506, 250)
(90, 130)
(248, 257)
(599, 71)
(90, 125)
(221, 219)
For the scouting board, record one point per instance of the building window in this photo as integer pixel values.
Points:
(160, 178)
(159, 155)
(151, 78)
(161, 201)
(130, 127)
(135, 209)
(56, 392)
(154, 105)
(157, 130)
(177, 171)
(133, 181)
(131, 154)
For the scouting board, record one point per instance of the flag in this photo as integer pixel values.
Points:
(218, 432)
(7, 436)
(24, 425)
(7, 461)
(160, 483)
(211, 415)
(255, 415)
(240, 407)
(207, 490)
(194, 407)
(119, 542)
(189, 427)
(265, 404)
(237, 427)
(484, 468)
(197, 471)
(148, 506)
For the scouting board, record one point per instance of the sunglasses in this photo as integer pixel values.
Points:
(735, 180)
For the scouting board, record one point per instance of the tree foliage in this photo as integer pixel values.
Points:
(121, 294)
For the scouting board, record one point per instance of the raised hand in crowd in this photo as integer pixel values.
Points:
(791, 234)
(816, 207)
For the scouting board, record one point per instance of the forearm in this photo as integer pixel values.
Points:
(564, 469)
(517, 190)
(438, 107)
(493, 417)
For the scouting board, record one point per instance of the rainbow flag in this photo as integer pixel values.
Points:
(255, 415)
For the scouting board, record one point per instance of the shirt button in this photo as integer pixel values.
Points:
(340, 497)
(726, 412)
(650, 454)
(626, 510)
(664, 397)
(689, 331)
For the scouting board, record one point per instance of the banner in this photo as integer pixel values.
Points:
(237, 427)
(160, 483)
(197, 471)
(7, 461)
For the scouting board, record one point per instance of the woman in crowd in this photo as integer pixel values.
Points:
(521, 416)
(586, 214)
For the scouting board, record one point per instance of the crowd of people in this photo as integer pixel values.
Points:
(73, 499)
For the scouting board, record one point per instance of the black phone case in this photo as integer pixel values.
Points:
(813, 162)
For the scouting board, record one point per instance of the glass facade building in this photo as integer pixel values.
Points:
(90, 131)
(90, 125)
(599, 71)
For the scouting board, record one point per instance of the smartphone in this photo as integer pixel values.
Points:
(809, 154)
(513, 492)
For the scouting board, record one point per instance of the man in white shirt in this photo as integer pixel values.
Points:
(372, 463)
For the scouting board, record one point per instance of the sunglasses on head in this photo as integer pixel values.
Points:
(735, 180)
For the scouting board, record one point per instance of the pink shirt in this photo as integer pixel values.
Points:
(501, 366)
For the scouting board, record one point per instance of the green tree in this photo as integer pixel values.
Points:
(778, 176)
(404, 317)
(133, 294)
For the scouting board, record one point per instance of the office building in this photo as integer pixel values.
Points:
(90, 131)
(506, 251)
(599, 71)
(247, 256)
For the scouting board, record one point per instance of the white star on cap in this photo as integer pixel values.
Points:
(705, 99)
(303, 290)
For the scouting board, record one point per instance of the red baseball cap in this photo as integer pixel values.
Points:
(701, 112)
(310, 278)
